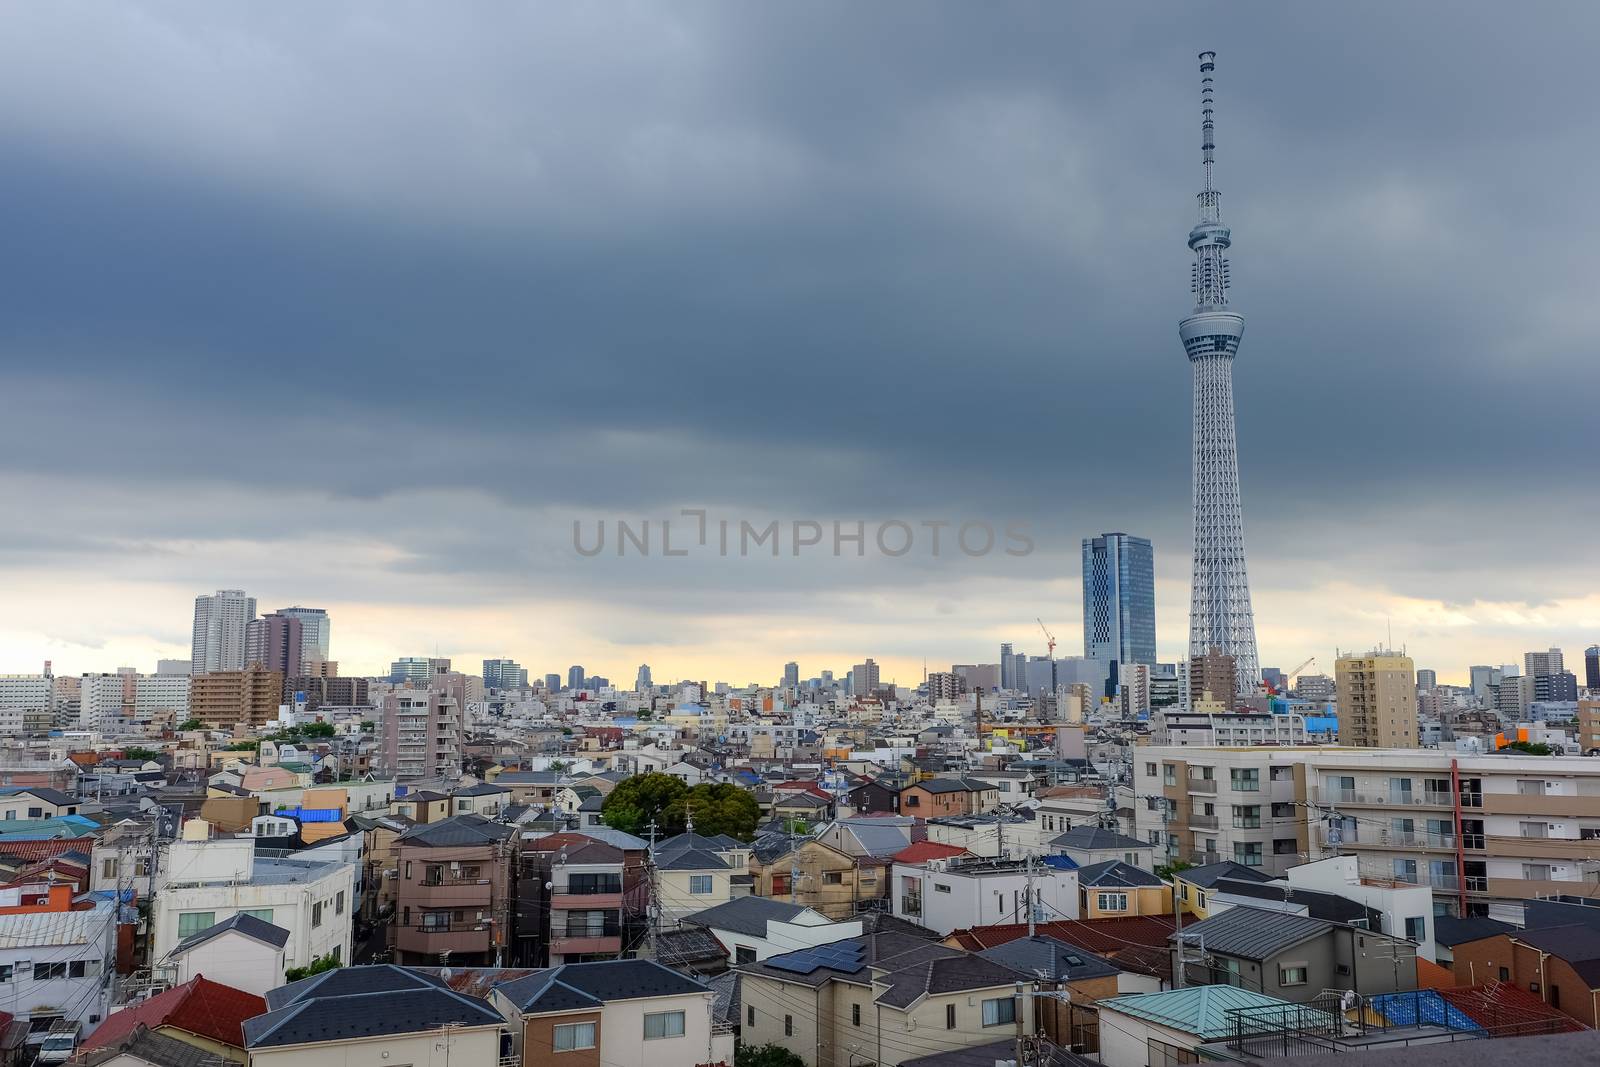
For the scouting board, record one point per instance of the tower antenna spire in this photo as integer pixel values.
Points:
(1208, 139)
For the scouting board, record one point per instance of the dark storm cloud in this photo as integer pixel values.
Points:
(814, 259)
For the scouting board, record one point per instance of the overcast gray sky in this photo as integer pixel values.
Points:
(363, 305)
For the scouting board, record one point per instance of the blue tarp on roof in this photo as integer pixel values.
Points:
(1423, 1007)
(1060, 863)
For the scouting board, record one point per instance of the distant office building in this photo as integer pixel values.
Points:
(158, 696)
(643, 682)
(1119, 602)
(236, 700)
(552, 683)
(415, 669)
(978, 677)
(1166, 689)
(327, 690)
(791, 675)
(575, 676)
(1511, 696)
(1213, 676)
(275, 642)
(504, 674)
(1537, 663)
(1275, 678)
(172, 666)
(314, 633)
(105, 702)
(1038, 677)
(1377, 700)
(1134, 689)
(864, 678)
(1314, 687)
(1427, 679)
(1483, 680)
(219, 625)
(1019, 672)
(1551, 681)
(1008, 674)
(1591, 668)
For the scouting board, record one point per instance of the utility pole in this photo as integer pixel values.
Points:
(1031, 929)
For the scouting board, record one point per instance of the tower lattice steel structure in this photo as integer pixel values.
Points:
(1219, 602)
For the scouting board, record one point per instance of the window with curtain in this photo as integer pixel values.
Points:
(570, 1036)
(663, 1024)
(192, 922)
(700, 884)
(999, 1012)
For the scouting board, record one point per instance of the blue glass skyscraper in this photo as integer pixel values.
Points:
(1119, 602)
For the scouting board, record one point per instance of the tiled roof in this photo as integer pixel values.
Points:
(691, 944)
(1448, 930)
(1206, 875)
(746, 915)
(1254, 933)
(580, 985)
(200, 1006)
(1578, 945)
(923, 851)
(948, 974)
(456, 832)
(249, 925)
(1095, 838)
(1050, 958)
(1116, 874)
(355, 1002)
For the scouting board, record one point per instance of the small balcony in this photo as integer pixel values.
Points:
(1204, 822)
(1203, 785)
(452, 892)
(581, 896)
(462, 937)
(576, 940)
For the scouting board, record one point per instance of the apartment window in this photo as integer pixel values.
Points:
(408, 870)
(1002, 1011)
(1150, 770)
(43, 972)
(1530, 787)
(750, 1015)
(744, 954)
(939, 887)
(1536, 872)
(662, 1024)
(832, 878)
(700, 884)
(1416, 928)
(1247, 853)
(192, 922)
(316, 914)
(1505, 975)
(855, 1015)
(1169, 774)
(913, 801)
(788, 1026)
(1532, 829)
(1164, 1055)
(1292, 974)
(1280, 774)
(780, 885)
(1247, 816)
(433, 874)
(949, 1016)
(338, 903)
(7, 970)
(1245, 780)
(264, 914)
(108, 869)
(570, 1036)
(1111, 901)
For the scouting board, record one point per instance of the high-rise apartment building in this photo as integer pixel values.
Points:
(219, 631)
(1008, 676)
(791, 675)
(1213, 676)
(575, 677)
(1220, 615)
(1551, 679)
(1119, 602)
(1483, 680)
(552, 683)
(1377, 699)
(315, 631)
(864, 678)
(275, 642)
(1537, 663)
(1134, 689)
(173, 666)
(236, 700)
(1427, 679)
(1591, 668)
(104, 702)
(945, 685)
(416, 669)
(157, 697)
(504, 674)
(420, 730)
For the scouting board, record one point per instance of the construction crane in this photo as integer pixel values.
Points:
(1049, 638)
(1288, 679)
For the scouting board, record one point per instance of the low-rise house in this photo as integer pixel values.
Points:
(1078, 976)
(1450, 931)
(756, 928)
(934, 797)
(374, 1015)
(241, 951)
(1114, 888)
(632, 1012)
(1086, 845)
(35, 802)
(571, 901)
(480, 798)
(1296, 957)
(887, 998)
(453, 891)
(950, 894)
(1197, 884)
(1404, 909)
(872, 798)
(206, 880)
(878, 838)
(207, 1017)
(1160, 1029)
(830, 880)
(1559, 964)
(695, 872)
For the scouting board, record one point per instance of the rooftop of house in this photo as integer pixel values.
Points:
(1095, 838)
(747, 915)
(200, 1006)
(575, 986)
(459, 831)
(1117, 875)
(239, 922)
(1254, 933)
(1051, 958)
(1206, 875)
(1203, 1011)
(366, 1001)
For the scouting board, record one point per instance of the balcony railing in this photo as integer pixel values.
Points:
(587, 930)
(582, 890)
(1202, 785)
(1205, 822)
(911, 906)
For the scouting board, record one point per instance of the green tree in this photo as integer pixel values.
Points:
(139, 754)
(1167, 870)
(316, 966)
(1532, 748)
(632, 805)
(190, 724)
(367, 726)
(765, 1056)
(722, 808)
(315, 729)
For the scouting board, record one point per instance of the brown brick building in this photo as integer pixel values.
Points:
(1559, 965)
(234, 700)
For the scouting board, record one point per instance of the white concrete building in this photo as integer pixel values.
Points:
(158, 694)
(242, 952)
(103, 702)
(1407, 909)
(56, 964)
(206, 881)
(952, 894)
(218, 638)
(755, 928)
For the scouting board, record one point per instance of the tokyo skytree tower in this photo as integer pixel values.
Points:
(1219, 601)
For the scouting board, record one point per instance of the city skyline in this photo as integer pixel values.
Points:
(941, 226)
